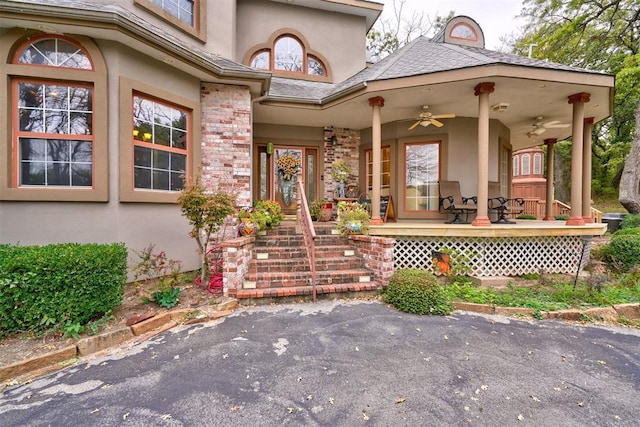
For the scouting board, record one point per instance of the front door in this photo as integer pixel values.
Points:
(279, 172)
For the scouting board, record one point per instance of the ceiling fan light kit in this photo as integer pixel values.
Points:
(500, 107)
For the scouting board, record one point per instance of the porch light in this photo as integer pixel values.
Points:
(334, 140)
(500, 107)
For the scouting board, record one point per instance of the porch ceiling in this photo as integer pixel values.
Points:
(529, 93)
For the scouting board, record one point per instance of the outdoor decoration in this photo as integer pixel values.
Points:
(340, 173)
(353, 218)
(288, 168)
(263, 215)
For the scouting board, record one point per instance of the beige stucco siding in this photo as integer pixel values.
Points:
(257, 21)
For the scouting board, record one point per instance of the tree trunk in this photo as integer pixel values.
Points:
(629, 195)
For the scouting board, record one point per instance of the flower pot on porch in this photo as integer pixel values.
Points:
(326, 212)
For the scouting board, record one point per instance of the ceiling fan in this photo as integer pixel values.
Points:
(539, 127)
(426, 118)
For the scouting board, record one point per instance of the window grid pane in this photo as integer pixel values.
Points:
(55, 162)
(54, 52)
(164, 165)
(288, 55)
(526, 164)
(182, 9)
(385, 171)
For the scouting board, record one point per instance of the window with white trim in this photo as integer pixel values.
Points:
(160, 144)
(537, 164)
(516, 165)
(526, 164)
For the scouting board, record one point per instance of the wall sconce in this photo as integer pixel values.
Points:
(334, 140)
(500, 107)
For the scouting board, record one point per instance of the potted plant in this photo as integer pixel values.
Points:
(247, 224)
(263, 215)
(340, 172)
(353, 218)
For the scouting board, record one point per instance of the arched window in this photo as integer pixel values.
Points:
(516, 165)
(463, 31)
(288, 54)
(54, 119)
(526, 164)
(537, 164)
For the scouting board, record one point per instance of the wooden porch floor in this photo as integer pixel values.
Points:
(521, 228)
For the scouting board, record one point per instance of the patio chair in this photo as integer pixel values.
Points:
(452, 202)
(503, 206)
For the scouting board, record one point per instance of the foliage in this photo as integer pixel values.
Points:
(631, 221)
(392, 32)
(340, 171)
(623, 252)
(206, 212)
(561, 217)
(602, 36)
(349, 212)
(266, 214)
(416, 291)
(166, 271)
(314, 208)
(459, 264)
(526, 216)
(44, 287)
(288, 166)
(554, 296)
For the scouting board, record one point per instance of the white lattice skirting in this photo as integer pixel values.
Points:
(498, 256)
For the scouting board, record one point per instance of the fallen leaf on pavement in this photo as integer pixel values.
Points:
(400, 400)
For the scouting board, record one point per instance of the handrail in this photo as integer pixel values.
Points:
(309, 234)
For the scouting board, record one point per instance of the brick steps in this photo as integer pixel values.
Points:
(280, 268)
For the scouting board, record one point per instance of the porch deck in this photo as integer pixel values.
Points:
(521, 228)
(499, 250)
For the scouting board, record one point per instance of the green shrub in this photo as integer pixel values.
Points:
(561, 217)
(631, 221)
(526, 216)
(624, 250)
(45, 287)
(418, 292)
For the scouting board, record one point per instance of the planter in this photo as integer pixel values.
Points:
(326, 212)
(353, 227)
(246, 228)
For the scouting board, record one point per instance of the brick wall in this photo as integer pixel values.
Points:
(226, 139)
(377, 253)
(347, 148)
(236, 255)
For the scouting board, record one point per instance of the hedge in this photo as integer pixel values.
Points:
(418, 292)
(42, 287)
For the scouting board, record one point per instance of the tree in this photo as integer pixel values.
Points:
(599, 35)
(206, 212)
(390, 34)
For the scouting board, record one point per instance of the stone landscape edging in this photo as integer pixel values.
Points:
(157, 324)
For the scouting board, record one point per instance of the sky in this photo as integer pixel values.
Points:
(495, 17)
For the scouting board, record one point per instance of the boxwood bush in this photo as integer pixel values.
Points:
(630, 221)
(42, 287)
(623, 252)
(416, 291)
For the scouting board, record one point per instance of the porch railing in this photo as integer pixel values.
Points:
(309, 234)
(537, 207)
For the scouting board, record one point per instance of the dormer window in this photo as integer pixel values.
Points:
(463, 31)
(288, 54)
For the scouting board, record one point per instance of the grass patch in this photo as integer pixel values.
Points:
(547, 297)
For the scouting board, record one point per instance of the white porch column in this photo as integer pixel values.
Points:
(482, 91)
(550, 142)
(586, 171)
(577, 100)
(376, 104)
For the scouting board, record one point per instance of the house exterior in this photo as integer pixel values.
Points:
(109, 104)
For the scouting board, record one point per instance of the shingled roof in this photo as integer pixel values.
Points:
(419, 57)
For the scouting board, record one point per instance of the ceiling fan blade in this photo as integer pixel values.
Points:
(443, 116)
(415, 125)
(437, 123)
(557, 126)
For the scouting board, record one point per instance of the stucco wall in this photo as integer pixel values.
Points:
(324, 31)
(135, 224)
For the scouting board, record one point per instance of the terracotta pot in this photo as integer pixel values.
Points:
(246, 228)
(325, 214)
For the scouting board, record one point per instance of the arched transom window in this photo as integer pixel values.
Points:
(55, 52)
(288, 54)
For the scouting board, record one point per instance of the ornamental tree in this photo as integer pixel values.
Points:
(206, 212)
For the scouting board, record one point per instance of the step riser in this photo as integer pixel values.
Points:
(278, 280)
(294, 241)
(301, 253)
(298, 265)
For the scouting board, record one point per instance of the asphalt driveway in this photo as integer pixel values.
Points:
(348, 364)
